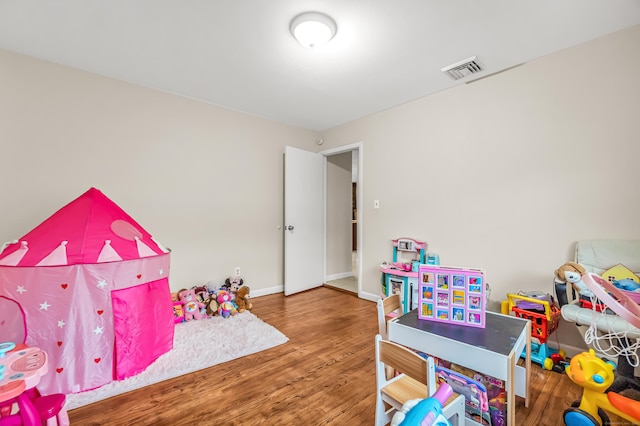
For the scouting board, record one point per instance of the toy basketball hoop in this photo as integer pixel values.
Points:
(614, 298)
(616, 331)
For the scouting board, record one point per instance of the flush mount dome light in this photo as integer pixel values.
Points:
(313, 29)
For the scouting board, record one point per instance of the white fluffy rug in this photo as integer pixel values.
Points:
(229, 338)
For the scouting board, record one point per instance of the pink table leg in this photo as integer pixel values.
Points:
(28, 412)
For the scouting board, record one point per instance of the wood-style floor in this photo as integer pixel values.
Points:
(324, 375)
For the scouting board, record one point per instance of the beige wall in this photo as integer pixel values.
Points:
(508, 172)
(204, 180)
(505, 173)
(339, 216)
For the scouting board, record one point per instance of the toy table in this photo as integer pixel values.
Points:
(20, 371)
(493, 350)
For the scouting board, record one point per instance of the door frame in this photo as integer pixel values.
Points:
(340, 150)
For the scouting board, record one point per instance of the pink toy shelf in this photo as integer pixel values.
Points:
(452, 295)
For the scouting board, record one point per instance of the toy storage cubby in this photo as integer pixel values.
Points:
(401, 276)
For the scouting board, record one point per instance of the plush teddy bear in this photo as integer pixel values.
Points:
(570, 272)
(243, 301)
(190, 305)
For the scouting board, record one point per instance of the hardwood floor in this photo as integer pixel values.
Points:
(324, 375)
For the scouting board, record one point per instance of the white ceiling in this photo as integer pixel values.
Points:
(239, 53)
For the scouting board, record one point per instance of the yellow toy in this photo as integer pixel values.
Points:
(619, 272)
(595, 376)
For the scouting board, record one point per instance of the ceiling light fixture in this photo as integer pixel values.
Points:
(313, 29)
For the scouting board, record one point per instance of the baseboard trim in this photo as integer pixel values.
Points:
(339, 276)
(267, 291)
(280, 289)
(570, 350)
(369, 296)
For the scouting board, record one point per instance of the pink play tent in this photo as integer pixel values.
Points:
(93, 288)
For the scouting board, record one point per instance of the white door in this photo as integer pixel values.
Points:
(304, 229)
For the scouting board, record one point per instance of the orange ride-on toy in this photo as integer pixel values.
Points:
(596, 376)
(545, 317)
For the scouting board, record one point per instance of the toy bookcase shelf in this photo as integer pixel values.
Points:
(401, 276)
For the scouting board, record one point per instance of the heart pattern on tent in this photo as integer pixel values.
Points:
(80, 249)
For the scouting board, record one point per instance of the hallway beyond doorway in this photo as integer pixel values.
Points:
(349, 284)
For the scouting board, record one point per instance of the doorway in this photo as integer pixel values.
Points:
(343, 218)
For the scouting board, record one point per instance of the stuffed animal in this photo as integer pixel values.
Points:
(226, 309)
(223, 296)
(243, 300)
(190, 305)
(202, 293)
(212, 306)
(570, 272)
(232, 285)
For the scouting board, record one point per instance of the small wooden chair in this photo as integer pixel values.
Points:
(417, 381)
(388, 308)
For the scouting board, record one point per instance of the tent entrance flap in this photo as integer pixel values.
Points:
(143, 324)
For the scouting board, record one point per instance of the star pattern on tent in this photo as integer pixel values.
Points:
(21, 289)
(98, 330)
(161, 271)
(61, 323)
(44, 306)
(101, 284)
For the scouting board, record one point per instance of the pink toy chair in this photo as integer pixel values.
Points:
(50, 408)
(12, 420)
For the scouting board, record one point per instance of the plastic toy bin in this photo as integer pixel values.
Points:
(543, 314)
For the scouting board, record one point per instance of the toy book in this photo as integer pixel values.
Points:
(485, 396)
(496, 391)
(453, 295)
(178, 313)
(475, 393)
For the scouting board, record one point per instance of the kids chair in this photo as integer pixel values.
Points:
(388, 308)
(417, 381)
(50, 409)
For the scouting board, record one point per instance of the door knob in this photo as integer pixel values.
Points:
(290, 228)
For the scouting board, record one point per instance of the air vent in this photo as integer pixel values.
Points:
(463, 68)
